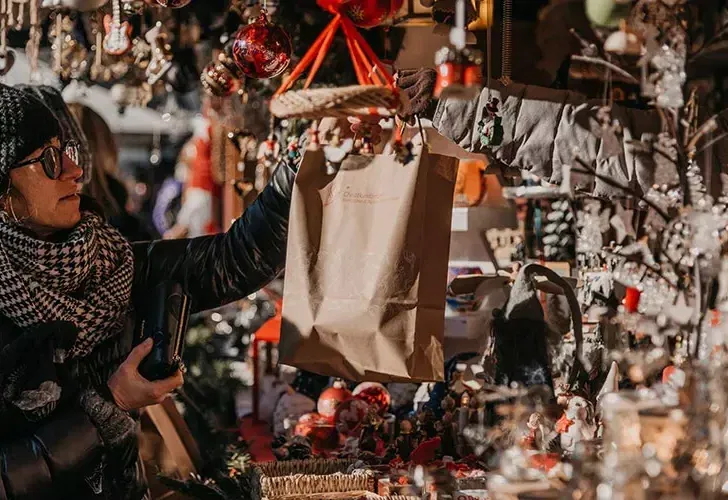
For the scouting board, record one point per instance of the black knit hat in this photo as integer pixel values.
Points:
(70, 128)
(26, 124)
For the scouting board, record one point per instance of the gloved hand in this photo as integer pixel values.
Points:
(418, 85)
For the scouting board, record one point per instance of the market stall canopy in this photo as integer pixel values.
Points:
(134, 120)
(20, 72)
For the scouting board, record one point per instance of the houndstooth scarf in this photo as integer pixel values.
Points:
(85, 280)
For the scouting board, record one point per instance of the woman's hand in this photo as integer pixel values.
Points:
(419, 86)
(131, 391)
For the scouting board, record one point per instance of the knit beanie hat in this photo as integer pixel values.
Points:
(70, 128)
(26, 124)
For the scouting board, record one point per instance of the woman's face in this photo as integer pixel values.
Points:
(46, 205)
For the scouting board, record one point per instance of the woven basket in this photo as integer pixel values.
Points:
(338, 102)
(308, 479)
(350, 495)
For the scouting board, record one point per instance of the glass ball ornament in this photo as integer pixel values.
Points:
(371, 13)
(217, 81)
(174, 4)
(262, 49)
(331, 398)
(375, 394)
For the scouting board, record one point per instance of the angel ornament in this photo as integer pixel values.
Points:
(576, 424)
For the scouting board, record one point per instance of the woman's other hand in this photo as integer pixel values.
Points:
(131, 391)
(419, 86)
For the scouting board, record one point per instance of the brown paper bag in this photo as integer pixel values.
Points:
(366, 268)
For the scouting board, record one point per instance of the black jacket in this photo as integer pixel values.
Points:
(56, 457)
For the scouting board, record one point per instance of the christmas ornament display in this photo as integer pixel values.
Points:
(174, 4)
(374, 394)
(349, 416)
(331, 398)
(262, 49)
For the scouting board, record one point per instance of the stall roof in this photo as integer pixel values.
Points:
(134, 121)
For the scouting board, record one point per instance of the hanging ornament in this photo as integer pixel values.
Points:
(371, 13)
(173, 4)
(117, 41)
(262, 49)
(375, 394)
(7, 57)
(331, 398)
(217, 81)
(161, 53)
(458, 73)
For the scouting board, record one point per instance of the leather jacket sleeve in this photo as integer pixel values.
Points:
(219, 269)
(63, 451)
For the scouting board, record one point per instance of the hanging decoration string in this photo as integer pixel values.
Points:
(506, 49)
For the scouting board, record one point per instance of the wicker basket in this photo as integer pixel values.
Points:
(309, 480)
(338, 102)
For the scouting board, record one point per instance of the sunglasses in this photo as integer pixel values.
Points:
(52, 159)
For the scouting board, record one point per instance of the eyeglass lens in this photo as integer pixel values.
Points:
(52, 163)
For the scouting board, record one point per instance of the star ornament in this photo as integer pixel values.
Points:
(621, 221)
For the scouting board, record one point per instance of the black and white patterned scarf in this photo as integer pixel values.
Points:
(85, 280)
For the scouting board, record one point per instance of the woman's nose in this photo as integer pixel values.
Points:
(71, 171)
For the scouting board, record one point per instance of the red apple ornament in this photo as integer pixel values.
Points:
(262, 49)
(374, 394)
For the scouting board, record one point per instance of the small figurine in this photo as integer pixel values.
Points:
(426, 425)
(448, 404)
(406, 441)
(576, 424)
(446, 429)
(369, 439)
(538, 437)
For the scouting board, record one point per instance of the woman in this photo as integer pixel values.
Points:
(70, 289)
(104, 186)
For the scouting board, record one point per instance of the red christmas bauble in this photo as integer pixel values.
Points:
(330, 399)
(349, 416)
(374, 394)
(217, 80)
(319, 430)
(173, 4)
(370, 13)
(262, 49)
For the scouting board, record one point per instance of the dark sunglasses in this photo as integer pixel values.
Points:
(52, 159)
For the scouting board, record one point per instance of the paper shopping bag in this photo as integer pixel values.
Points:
(366, 270)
